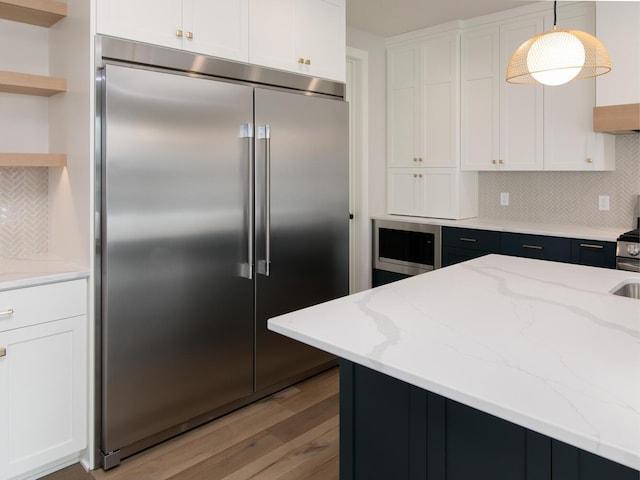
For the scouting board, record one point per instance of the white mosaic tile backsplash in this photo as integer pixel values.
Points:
(24, 212)
(567, 197)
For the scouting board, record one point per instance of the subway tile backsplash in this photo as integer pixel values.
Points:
(567, 197)
(24, 217)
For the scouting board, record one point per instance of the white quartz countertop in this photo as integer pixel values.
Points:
(604, 234)
(541, 344)
(20, 272)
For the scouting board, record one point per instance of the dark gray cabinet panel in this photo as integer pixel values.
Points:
(392, 430)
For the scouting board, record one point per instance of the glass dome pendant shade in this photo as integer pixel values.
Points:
(557, 57)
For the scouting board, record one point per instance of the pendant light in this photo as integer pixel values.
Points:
(557, 57)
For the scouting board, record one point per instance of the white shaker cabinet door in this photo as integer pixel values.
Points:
(569, 140)
(321, 38)
(301, 36)
(272, 34)
(218, 28)
(43, 383)
(158, 22)
(480, 97)
(403, 106)
(521, 106)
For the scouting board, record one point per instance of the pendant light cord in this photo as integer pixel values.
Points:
(555, 17)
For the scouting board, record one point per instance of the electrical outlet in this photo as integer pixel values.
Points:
(603, 203)
(504, 199)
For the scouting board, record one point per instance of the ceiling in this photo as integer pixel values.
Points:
(392, 17)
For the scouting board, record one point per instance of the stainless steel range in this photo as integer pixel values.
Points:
(628, 251)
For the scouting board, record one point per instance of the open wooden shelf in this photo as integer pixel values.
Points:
(43, 13)
(33, 160)
(28, 84)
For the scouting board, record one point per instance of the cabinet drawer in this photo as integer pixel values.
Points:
(593, 253)
(472, 239)
(537, 246)
(33, 305)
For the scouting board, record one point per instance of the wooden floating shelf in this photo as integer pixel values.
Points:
(42, 13)
(28, 84)
(33, 160)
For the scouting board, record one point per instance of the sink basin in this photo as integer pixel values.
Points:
(629, 288)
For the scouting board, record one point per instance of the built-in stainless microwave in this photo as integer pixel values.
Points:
(406, 248)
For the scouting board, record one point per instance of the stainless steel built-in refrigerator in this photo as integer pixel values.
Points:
(222, 204)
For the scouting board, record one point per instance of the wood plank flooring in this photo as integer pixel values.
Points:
(291, 435)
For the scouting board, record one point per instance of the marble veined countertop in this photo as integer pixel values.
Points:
(541, 344)
(19, 272)
(604, 234)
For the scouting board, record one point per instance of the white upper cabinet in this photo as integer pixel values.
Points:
(569, 140)
(404, 105)
(301, 36)
(151, 21)
(423, 174)
(502, 124)
(218, 28)
(304, 36)
(618, 28)
(422, 102)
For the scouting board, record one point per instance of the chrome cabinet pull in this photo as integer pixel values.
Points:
(3, 352)
(532, 247)
(465, 239)
(6, 313)
(589, 245)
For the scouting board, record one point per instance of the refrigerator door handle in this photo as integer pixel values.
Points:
(246, 131)
(264, 266)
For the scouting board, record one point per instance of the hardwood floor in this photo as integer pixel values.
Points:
(291, 435)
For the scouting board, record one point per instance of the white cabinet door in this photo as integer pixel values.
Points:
(218, 28)
(569, 141)
(521, 106)
(321, 38)
(403, 191)
(43, 377)
(151, 21)
(303, 36)
(439, 138)
(618, 28)
(480, 122)
(272, 34)
(424, 192)
(403, 105)
(502, 124)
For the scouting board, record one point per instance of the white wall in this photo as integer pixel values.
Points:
(375, 47)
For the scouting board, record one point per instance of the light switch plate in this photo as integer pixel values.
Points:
(504, 199)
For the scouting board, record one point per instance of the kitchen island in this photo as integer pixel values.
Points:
(500, 367)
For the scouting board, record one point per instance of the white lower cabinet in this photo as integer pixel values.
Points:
(43, 377)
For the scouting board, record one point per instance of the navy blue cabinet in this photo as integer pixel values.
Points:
(461, 244)
(593, 253)
(392, 430)
(541, 247)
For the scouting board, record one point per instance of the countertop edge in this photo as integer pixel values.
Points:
(42, 280)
